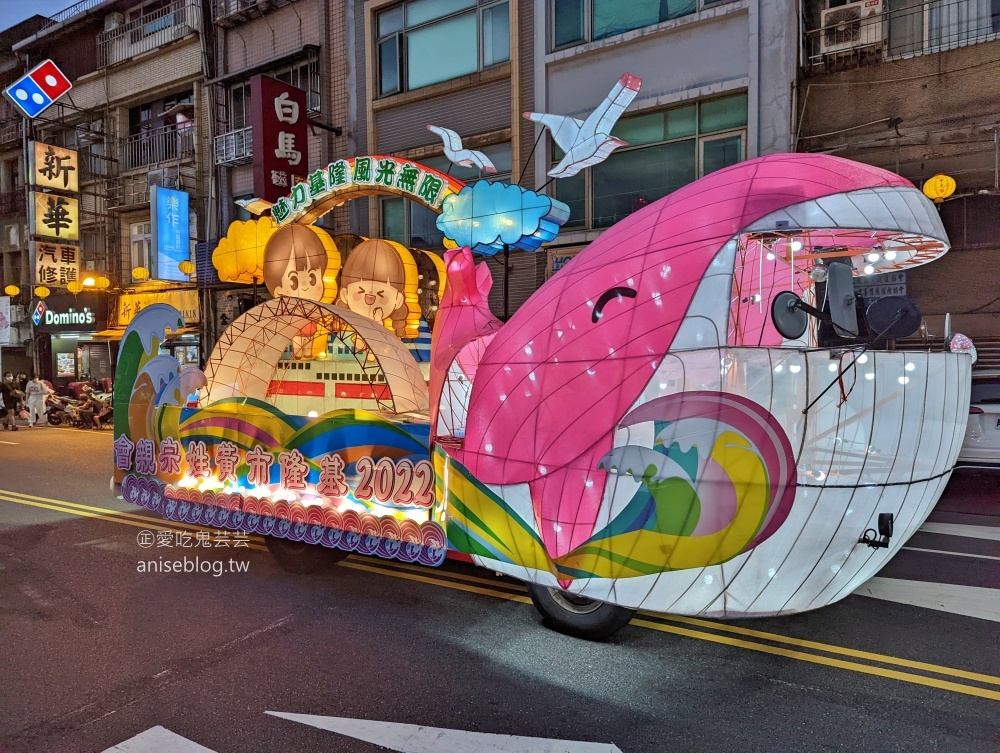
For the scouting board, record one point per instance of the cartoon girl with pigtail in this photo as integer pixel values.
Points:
(374, 283)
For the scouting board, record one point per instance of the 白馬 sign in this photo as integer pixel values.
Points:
(280, 136)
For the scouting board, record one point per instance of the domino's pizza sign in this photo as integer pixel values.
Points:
(39, 313)
(34, 92)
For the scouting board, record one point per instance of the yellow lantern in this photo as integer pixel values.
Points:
(102, 283)
(74, 287)
(939, 187)
(140, 274)
(42, 292)
(186, 267)
(12, 290)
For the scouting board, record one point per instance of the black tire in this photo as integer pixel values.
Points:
(301, 558)
(54, 419)
(578, 616)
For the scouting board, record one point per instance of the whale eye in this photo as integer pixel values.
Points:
(611, 294)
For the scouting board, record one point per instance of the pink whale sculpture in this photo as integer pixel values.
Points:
(464, 325)
(559, 377)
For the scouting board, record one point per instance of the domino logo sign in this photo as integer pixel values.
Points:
(39, 88)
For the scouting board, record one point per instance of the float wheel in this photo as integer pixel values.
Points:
(577, 615)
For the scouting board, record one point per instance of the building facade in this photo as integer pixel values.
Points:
(302, 43)
(912, 86)
(476, 67)
(137, 117)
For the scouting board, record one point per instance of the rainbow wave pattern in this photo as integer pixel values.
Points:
(694, 506)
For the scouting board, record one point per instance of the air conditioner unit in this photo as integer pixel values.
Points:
(113, 21)
(17, 314)
(851, 26)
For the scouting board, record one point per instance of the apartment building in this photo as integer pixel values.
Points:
(14, 259)
(710, 97)
(302, 43)
(717, 85)
(912, 86)
(137, 117)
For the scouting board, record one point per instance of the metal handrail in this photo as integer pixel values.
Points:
(74, 10)
(157, 145)
(234, 147)
(147, 32)
(860, 31)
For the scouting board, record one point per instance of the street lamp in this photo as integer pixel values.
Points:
(89, 282)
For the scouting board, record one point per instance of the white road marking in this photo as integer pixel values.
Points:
(970, 601)
(2, 442)
(970, 532)
(954, 554)
(158, 740)
(412, 738)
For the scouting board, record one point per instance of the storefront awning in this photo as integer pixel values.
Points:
(181, 332)
(110, 334)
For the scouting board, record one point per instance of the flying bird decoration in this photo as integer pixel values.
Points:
(454, 150)
(589, 142)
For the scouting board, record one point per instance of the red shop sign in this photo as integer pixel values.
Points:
(280, 137)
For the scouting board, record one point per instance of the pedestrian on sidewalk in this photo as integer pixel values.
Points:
(10, 396)
(36, 391)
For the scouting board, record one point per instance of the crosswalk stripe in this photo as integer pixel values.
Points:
(158, 740)
(413, 738)
(970, 601)
(970, 532)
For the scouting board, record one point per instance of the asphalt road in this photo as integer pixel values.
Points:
(95, 652)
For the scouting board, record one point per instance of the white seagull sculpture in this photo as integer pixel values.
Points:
(590, 141)
(454, 151)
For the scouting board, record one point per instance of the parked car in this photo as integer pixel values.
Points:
(982, 436)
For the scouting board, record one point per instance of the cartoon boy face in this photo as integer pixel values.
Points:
(305, 283)
(376, 300)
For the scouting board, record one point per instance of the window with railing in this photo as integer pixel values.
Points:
(424, 42)
(666, 150)
(578, 21)
(235, 146)
(872, 30)
(147, 27)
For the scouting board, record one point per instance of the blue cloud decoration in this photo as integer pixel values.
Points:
(485, 216)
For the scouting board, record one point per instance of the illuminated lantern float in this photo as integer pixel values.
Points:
(691, 417)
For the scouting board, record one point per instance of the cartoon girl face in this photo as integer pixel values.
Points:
(295, 261)
(375, 300)
(300, 283)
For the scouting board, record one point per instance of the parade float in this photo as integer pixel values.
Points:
(695, 416)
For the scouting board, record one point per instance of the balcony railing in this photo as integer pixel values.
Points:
(147, 32)
(12, 202)
(235, 147)
(10, 130)
(232, 12)
(157, 145)
(866, 31)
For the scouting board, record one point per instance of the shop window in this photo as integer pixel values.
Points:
(424, 42)
(666, 150)
(576, 21)
(303, 74)
(140, 238)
